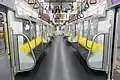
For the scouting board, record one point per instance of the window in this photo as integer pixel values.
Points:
(26, 30)
(29, 29)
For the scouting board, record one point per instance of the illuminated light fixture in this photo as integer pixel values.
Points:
(79, 0)
(93, 1)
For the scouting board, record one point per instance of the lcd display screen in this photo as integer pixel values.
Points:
(115, 1)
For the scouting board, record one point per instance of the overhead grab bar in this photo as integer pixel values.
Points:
(30, 49)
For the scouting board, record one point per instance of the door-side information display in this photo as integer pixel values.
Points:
(115, 1)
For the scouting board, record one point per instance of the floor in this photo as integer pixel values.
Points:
(61, 63)
(117, 67)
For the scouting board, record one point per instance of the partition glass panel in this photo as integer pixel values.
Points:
(98, 40)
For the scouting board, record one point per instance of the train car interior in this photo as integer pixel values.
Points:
(59, 40)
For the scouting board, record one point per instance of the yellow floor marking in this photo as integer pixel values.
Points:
(117, 67)
(117, 62)
(118, 71)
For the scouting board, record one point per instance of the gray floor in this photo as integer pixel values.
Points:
(61, 63)
(116, 73)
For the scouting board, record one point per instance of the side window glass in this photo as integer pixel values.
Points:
(33, 30)
(29, 29)
(26, 30)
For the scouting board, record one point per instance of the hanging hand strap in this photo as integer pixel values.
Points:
(87, 4)
(93, 1)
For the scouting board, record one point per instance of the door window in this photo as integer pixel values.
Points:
(2, 34)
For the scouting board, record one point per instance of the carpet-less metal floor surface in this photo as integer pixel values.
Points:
(61, 63)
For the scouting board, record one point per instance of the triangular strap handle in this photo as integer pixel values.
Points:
(36, 5)
(87, 5)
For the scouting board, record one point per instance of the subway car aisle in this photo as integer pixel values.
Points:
(61, 63)
(59, 39)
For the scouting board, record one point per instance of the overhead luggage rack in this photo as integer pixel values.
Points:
(8, 3)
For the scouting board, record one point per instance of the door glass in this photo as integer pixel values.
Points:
(2, 35)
